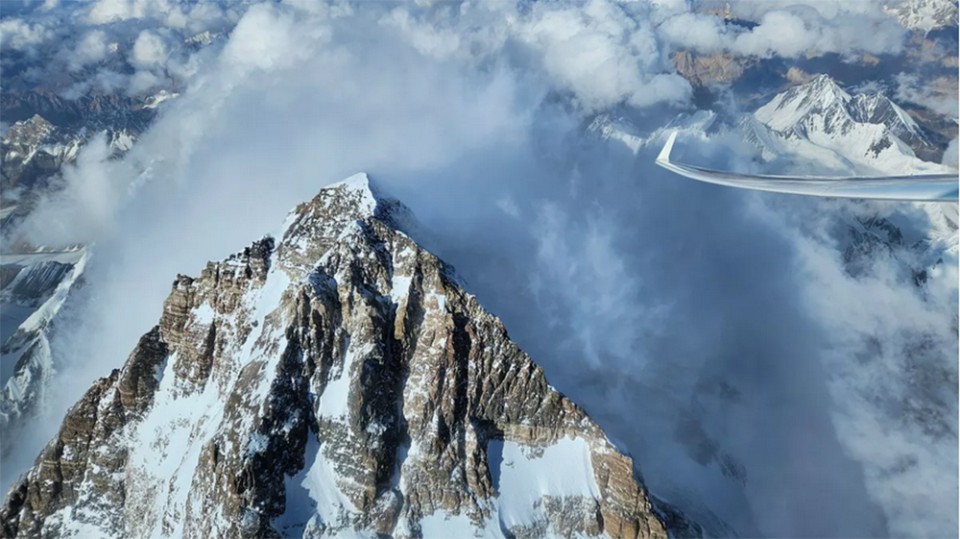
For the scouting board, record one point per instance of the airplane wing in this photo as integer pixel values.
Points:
(921, 187)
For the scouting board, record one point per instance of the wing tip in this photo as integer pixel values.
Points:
(664, 155)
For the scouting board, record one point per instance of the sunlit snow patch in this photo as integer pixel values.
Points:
(523, 477)
(314, 501)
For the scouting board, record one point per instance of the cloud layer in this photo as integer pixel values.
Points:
(789, 30)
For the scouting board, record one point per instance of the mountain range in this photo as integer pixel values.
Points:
(337, 378)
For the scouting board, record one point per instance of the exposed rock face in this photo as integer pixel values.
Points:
(335, 381)
(706, 69)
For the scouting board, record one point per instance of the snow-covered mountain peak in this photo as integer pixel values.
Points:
(333, 382)
(924, 15)
(30, 131)
(820, 96)
(360, 186)
(821, 89)
(825, 103)
(312, 227)
(359, 181)
(862, 134)
(33, 149)
(357, 197)
(823, 84)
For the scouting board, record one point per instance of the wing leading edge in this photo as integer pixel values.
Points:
(921, 187)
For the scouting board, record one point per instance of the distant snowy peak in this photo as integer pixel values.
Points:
(924, 15)
(816, 128)
(333, 382)
(34, 149)
(822, 104)
(313, 227)
(609, 128)
(869, 131)
(820, 97)
(356, 197)
(33, 289)
(155, 100)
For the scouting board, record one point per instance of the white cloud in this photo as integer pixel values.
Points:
(265, 38)
(601, 54)
(703, 33)
(192, 16)
(779, 32)
(950, 154)
(104, 11)
(891, 352)
(584, 274)
(154, 35)
(142, 82)
(827, 9)
(149, 51)
(789, 30)
(92, 191)
(108, 11)
(939, 96)
(428, 39)
(92, 48)
(20, 35)
(205, 16)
